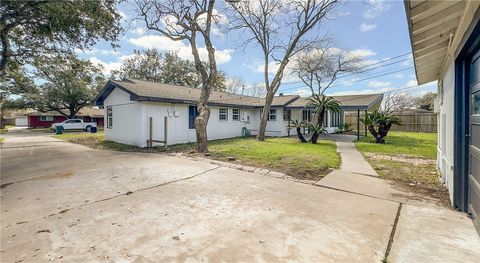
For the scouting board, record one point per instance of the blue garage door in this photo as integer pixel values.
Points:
(474, 158)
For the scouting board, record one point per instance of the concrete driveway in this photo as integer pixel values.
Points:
(67, 203)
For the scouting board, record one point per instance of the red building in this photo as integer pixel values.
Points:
(38, 119)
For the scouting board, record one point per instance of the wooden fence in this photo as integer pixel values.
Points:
(412, 122)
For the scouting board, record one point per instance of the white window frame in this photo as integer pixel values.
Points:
(335, 119)
(109, 117)
(223, 116)
(46, 118)
(236, 116)
(272, 113)
(287, 114)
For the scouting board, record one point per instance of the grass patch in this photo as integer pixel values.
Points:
(422, 178)
(287, 155)
(5, 129)
(1, 140)
(301, 160)
(415, 144)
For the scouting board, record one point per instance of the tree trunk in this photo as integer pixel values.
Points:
(264, 117)
(375, 134)
(5, 52)
(201, 122)
(300, 135)
(315, 136)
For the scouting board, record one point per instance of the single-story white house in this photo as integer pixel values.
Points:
(445, 38)
(130, 105)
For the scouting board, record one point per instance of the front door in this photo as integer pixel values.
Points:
(474, 145)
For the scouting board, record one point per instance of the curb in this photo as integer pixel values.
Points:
(245, 168)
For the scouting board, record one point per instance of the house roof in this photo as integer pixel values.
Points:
(347, 102)
(152, 91)
(85, 112)
(436, 28)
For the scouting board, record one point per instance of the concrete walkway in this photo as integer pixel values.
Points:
(423, 230)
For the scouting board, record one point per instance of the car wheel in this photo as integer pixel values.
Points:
(88, 128)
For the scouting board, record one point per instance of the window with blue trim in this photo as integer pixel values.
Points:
(192, 114)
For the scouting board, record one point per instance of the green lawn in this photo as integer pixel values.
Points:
(1, 140)
(303, 161)
(418, 144)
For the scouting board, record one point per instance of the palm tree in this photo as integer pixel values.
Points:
(379, 124)
(321, 104)
(298, 125)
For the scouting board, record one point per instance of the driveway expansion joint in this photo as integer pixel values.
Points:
(135, 191)
(392, 234)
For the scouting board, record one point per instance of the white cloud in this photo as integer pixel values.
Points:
(107, 67)
(411, 83)
(378, 84)
(364, 27)
(375, 8)
(363, 53)
(97, 51)
(184, 51)
(140, 31)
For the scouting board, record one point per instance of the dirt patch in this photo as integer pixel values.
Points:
(421, 179)
(401, 158)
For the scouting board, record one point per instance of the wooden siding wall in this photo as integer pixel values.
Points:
(412, 122)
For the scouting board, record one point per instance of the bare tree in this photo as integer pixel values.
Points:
(319, 68)
(397, 101)
(235, 85)
(187, 20)
(279, 27)
(256, 90)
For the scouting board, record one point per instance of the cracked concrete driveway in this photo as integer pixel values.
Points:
(68, 203)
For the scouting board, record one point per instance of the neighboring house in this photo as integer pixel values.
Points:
(445, 37)
(38, 119)
(130, 104)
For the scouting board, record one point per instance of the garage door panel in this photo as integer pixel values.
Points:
(475, 169)
(474, 158)
(475, 141)
(474, 206)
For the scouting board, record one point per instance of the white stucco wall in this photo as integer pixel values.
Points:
(178, 126)
(126, 114)
(131, 123)
(445, 146)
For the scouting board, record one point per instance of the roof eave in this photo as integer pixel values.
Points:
(410, 31)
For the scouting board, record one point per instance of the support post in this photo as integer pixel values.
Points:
(366, 131)
(165, 130)
(150, 132)
(358, 124)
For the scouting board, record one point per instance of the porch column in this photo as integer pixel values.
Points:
(366, 131)
(358, 124)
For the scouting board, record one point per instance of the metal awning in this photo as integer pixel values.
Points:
(433, 25)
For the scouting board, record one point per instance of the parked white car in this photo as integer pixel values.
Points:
(74, 124)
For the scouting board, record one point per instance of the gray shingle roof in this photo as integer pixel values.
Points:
(146, 90)
(151, 91)
(90, 112)
(364, 101)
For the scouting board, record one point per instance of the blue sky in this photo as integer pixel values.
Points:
(377, 30)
